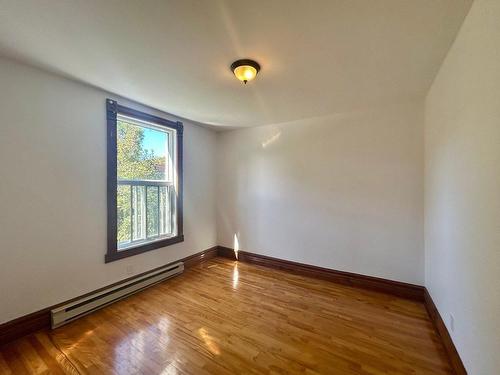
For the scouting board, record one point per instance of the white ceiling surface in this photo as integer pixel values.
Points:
(318, 57)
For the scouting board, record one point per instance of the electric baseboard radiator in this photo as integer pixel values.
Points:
(86, 305)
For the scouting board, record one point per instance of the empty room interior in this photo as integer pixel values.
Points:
(250, 187)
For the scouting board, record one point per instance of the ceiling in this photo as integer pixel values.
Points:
(318, 57)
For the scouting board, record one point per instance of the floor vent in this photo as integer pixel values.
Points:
(90, 303)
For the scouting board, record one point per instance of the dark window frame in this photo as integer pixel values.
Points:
(113, 109)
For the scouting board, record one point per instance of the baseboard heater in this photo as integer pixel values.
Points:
(86, 305)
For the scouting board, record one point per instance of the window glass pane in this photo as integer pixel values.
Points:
(153, 207)
(165, 211)
(123, 215)
(138, 213)
(141, 152)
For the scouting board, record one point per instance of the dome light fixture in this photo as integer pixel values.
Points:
(245, 69)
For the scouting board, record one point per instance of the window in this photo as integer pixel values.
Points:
(144, 182)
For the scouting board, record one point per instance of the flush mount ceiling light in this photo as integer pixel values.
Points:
(245, 70)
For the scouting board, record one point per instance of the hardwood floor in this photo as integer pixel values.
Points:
(223, 317)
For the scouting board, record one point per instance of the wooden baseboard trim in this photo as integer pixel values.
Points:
(202, 256)
(24, 325)
(397, 288)
(38, 320)
(455, 360)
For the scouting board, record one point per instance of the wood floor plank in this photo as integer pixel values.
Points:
(4, 368)
(224, 317)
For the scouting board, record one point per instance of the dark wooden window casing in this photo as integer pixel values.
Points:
(113, 109)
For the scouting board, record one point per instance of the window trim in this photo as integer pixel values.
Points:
(112, 111)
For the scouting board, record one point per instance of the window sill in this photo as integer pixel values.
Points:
(117, 255)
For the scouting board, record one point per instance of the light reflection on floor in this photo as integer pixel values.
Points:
(209, 341)
(236, 276)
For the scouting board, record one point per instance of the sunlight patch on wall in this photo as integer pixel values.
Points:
(236, 245)
(271, 139)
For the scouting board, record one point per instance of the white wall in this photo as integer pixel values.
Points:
(53, 192)
(462, 185)
(343, 192)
